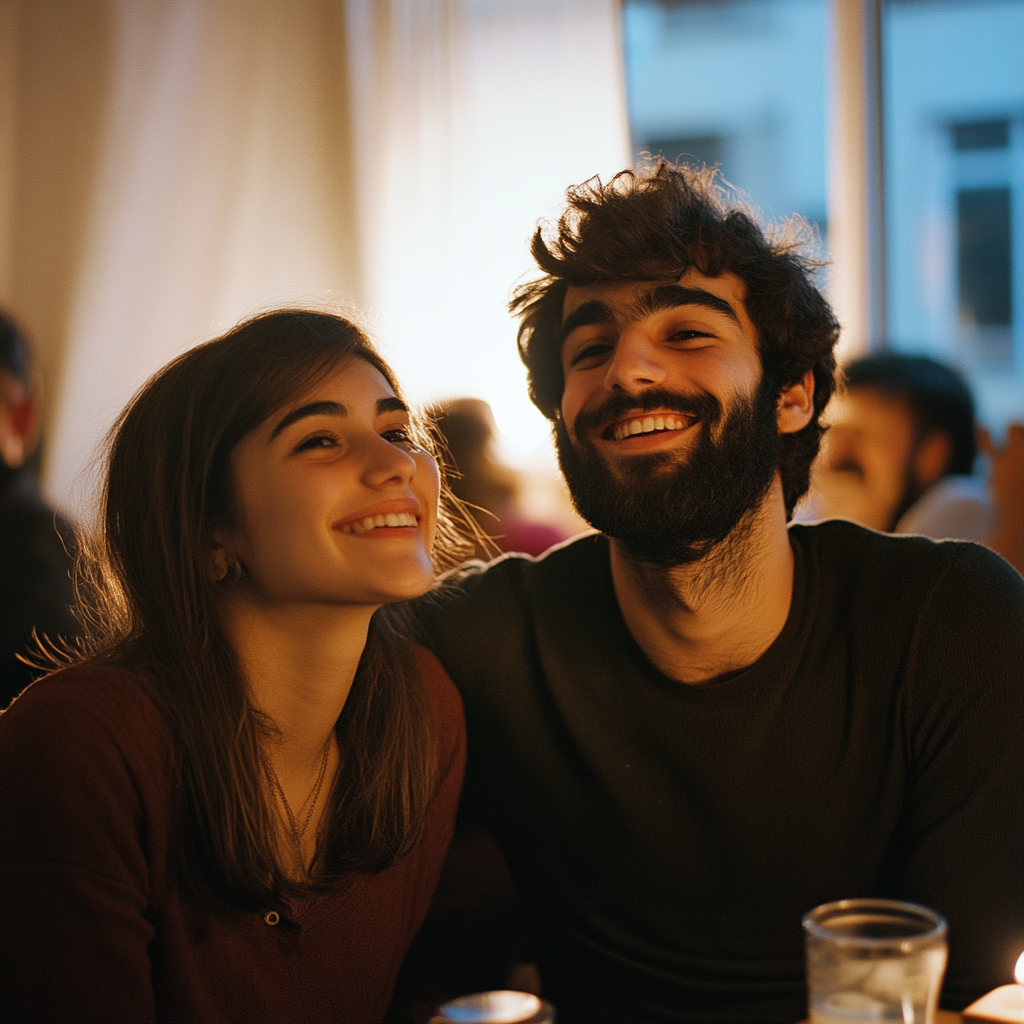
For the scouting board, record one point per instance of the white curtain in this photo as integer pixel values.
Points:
(395, 153)
(215, 197)
(473, 118)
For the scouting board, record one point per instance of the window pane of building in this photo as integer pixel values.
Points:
(983, 256)
(954, 160)
(740, 83)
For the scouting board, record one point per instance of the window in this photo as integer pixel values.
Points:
(738, 83)
(983, 240)
(954, 157)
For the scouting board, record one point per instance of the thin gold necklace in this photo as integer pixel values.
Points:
(293, 824)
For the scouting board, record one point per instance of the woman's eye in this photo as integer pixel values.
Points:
(319, 441)
(689, 334)
(398, 435)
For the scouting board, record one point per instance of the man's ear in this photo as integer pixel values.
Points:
(932, 457)
(796, 405)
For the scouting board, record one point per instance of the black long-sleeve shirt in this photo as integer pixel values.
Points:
(666, 839)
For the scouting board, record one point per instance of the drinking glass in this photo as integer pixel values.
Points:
(874, 960)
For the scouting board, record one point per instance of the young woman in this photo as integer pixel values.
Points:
(236, 804)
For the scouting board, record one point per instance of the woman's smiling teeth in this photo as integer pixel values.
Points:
(392, 519)
(645, 425)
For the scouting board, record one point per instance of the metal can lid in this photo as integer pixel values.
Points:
(499, 1007)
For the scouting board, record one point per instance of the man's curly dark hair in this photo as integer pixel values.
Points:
(654, 224)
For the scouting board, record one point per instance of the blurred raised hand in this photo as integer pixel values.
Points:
(1007, 485)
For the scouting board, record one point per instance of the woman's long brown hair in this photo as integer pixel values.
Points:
(152, 609)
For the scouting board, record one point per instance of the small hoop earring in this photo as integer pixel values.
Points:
(218, 566)
(225, 567)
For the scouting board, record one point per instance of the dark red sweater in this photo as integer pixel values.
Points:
(95, 927)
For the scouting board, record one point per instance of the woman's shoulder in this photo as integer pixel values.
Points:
(86, 759)
(445, 700)
(438, 683)
(101, 704)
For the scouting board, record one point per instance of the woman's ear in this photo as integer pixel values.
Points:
(796, 405)
(222, 563)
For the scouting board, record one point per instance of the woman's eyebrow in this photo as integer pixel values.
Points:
(389, 404)
(313, 409)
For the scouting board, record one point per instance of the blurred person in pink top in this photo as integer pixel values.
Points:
(491, 489)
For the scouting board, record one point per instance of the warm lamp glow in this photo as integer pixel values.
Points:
(1005, 1004)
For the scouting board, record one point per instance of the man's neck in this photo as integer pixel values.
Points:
(701, 621)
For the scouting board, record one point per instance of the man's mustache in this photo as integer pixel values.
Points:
(702, 406)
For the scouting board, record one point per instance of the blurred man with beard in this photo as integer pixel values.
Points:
(900, 451)
(694, 725)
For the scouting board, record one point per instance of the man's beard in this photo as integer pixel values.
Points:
(672, 508)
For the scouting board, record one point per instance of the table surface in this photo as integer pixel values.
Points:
(941, 1017)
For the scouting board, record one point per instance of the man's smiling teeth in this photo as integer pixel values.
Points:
(646, 425)
(375, 522)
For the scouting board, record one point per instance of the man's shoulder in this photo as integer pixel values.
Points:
(517, 574)
(910, 573)
(840, 540)
(486, 614)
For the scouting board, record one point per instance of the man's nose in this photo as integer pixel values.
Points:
(636, 363)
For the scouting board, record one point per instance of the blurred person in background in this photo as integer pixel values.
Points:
(900, 453)
(1006, 482)
(490, 489)
(36, 544)
(234, 803)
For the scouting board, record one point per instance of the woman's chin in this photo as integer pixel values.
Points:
(406, 586)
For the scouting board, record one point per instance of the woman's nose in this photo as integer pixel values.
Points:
(635, 363)
(386, 463)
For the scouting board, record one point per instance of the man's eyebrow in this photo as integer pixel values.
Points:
(593, 312)
(389, 404)
(670, 296)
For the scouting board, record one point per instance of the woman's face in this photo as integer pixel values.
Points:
(333, 502)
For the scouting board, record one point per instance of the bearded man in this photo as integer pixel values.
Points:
(694, 725)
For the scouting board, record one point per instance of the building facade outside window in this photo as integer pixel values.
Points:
(953, 94)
